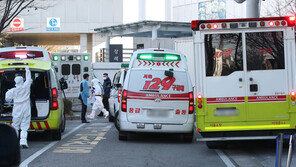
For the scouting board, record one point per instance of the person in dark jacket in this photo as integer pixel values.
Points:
(107, 90)
(83, 95)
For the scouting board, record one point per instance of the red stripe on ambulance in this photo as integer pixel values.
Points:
(256, 99)
(39, 125)
(220, 100)
(153, 96)
(31, 126)
(46, 125)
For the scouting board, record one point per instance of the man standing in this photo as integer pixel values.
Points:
(21, 112)
(83, 95)
(107, 90)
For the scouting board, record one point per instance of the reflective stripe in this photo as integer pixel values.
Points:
(248, 127)
(39, 125)
(46, 124)
(31, 126)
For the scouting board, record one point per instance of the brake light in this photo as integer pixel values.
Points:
(215, 26)
(191, 103)
(199, 101)
(292, 93)
(194, 24)
(119, 95)
(55, 103)
(124, 101)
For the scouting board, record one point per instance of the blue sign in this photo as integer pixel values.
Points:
(53, 24)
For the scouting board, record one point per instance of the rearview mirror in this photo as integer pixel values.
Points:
(63, 84)
(9, 146)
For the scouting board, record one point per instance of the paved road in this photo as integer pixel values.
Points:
(96, 144)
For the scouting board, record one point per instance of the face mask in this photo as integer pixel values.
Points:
(104, 78)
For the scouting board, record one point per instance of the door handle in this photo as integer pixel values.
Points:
(251, 79)
(240, 80)
(253, 88)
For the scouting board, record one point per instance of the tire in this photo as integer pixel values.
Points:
(116, 121)
(188, 137)
(56, 135)
(63, 124)
(122, 136)
(216, 144)
(111, 118)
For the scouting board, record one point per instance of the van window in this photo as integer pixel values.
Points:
(223, 54)
(76, 69)
(65, 69)
(265, 51)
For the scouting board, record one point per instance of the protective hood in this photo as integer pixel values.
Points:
(19, 81)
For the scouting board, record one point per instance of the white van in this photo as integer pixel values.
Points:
(157, 95)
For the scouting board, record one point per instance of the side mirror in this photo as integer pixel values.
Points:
(9, 146)
(63, 84)
(169, 73)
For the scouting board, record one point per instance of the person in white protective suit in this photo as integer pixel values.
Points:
(21, 112)
(98, 104)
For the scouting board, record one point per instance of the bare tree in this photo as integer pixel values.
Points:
(9, 9)
(279, 7)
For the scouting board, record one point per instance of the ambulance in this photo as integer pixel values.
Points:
(245, 78)
(72, 66)
(47, 107)
(157, 95)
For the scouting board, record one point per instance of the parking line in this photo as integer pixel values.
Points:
(26, 162)
(224, 158)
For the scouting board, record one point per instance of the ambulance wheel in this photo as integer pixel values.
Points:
(188, 137)
(216, 144)
(64, 123)
(111, 118)
(116, 121)
(122, 136)
(56, 135)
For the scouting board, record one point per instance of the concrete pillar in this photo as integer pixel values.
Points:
(142, 10)
(168, 10)
(83, 43)
(89, 44)
(107, 48)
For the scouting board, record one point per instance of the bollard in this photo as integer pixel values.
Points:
(279, 150)
(291, 148)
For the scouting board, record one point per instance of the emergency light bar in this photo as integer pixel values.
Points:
(21, 54)
(243, 23)
(158, 57)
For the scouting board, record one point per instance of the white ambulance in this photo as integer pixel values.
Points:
(72, 66)
(157, 95)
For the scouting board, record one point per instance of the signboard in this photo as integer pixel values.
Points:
(53, 24)
(115, 52)
(17, 24)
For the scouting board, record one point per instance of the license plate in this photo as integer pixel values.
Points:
(226, 112)
(157, 114)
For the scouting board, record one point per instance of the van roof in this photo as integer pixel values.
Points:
(180, 63)
(42, 65)
(46, 55)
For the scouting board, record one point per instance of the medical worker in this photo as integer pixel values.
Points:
(83, 96)
(98, 104)
(21, 112)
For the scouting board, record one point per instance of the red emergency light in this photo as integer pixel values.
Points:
(243, 23)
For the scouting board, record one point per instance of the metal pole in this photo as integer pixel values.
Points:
(280, 150)
(289, 160)
(253, 8)
(107, 47)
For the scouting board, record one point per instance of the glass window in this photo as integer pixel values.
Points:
(65, 69)
(224, 54)
(265, 51)
(76, 69)
(117, 78)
